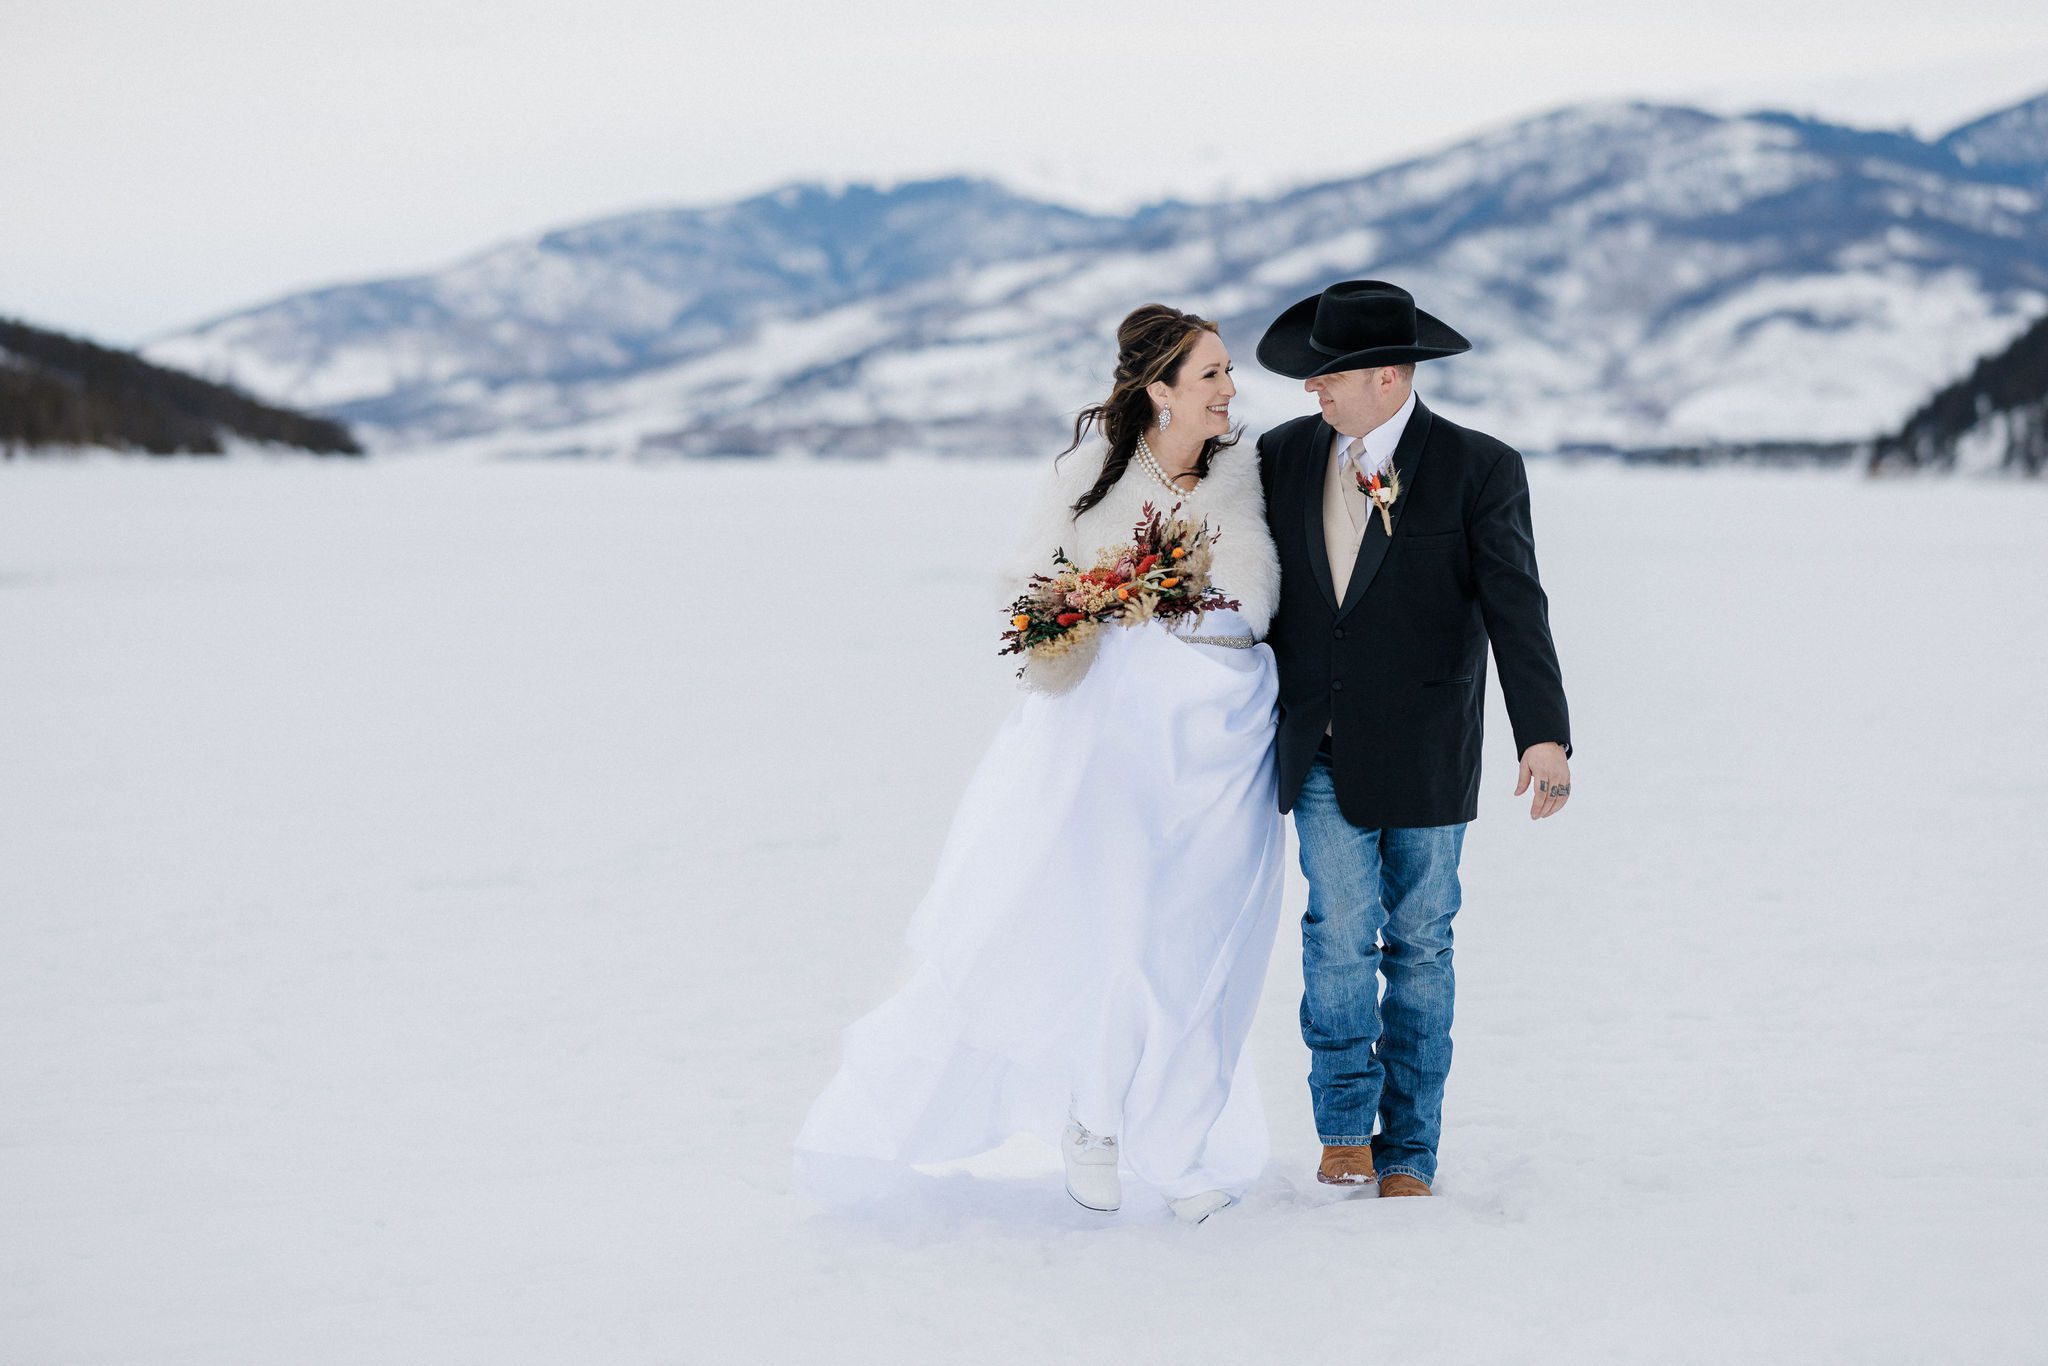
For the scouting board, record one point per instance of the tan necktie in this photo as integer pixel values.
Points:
(1355, 502)
(1343, 551)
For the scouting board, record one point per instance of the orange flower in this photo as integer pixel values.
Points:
(1179, 551)
(1020, 621)
(1169, 581)
(1123, 595)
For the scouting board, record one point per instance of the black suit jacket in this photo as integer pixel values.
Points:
(1398, 667)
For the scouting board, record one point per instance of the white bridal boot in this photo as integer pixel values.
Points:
(1091, 1169)
(1193, 1209)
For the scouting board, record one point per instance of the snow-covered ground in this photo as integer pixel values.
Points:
(430, 894)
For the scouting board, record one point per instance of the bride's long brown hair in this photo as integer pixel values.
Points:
(1152, 344)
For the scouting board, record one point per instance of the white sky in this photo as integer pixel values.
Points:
(162, 161)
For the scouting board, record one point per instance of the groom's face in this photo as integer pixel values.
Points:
(1356, 401)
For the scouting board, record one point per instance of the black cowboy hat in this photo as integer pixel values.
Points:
(1352, 325)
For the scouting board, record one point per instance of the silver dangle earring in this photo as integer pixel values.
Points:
(1165, 418)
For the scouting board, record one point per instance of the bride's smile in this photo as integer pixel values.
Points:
(1193, 409)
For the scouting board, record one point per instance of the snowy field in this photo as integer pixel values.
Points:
(430, 894)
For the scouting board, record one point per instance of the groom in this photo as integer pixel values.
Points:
(1405, 548)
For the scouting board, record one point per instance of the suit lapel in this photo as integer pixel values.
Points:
(1372, 547)
(1314, 472)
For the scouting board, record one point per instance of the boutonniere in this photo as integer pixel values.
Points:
(1381, 493)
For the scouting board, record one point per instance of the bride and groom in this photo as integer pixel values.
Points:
(1092, 947)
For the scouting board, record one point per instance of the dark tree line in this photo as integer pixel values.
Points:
(2013, 382)
(59, 390)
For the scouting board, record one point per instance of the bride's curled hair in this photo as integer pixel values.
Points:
(1152, 343)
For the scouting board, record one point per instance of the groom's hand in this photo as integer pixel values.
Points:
(1545, 765)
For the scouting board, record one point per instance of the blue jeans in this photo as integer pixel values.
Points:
(1379, 902)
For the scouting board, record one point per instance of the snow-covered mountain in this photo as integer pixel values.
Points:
(2010, 140)
(1630, 274)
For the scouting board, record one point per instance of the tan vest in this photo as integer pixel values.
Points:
(1344, 513)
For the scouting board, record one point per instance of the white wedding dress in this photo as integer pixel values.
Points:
(1096, 935)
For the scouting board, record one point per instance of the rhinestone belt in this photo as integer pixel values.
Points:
(1234, 642)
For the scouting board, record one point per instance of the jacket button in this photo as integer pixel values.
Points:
(1340, 633)
(1336, 685)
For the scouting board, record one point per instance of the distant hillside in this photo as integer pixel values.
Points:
(1643, 277)
(1995, 419)
(57, 390)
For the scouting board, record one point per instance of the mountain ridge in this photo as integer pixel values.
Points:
(1993, 420)
(1633, 272)
(61, 390)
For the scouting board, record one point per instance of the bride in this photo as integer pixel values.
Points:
(1092, 946)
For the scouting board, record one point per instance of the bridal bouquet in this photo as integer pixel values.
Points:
(1162, 572)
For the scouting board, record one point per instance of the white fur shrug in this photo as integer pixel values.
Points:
(1245, 566)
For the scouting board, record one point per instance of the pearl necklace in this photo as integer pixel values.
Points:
(1151, 464)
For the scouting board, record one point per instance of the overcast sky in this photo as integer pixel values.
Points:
(163, 161)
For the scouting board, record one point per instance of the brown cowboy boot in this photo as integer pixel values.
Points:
(1401, 1183)
(1346, 1165)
